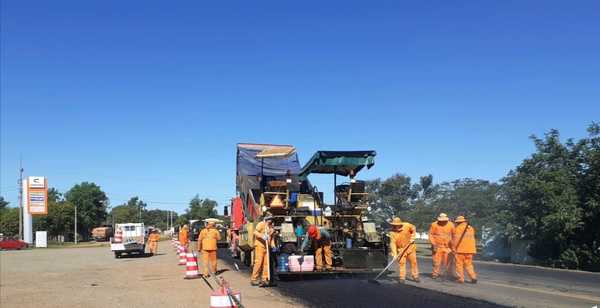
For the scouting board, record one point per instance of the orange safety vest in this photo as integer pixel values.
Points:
(400, 239)
(208, 239)
(441, 236)
(258, 240)
(467, 244)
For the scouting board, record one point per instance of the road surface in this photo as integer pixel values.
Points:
(499, 284)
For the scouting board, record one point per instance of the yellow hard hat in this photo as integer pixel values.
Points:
(396, 221)
(460, 219)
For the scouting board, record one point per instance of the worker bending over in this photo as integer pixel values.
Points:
(402, 246)
(153, 239)
(321, 242)
(263, 240)
(207, 244)
(440, 236)
(183, 236)
(464, 248)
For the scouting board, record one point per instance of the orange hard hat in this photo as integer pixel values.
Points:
(460, 219)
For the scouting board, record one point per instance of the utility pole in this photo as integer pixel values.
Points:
(75, 224)
(20, 181)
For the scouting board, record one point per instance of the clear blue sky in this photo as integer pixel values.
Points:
(149, 99)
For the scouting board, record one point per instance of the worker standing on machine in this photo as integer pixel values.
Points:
(207, 244)
(402, 247)
(321, 242)
(263, 241)
(464, 248)
(440, 236)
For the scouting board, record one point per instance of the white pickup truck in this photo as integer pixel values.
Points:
(128, 238)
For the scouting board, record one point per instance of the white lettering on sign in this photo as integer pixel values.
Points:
(36, 182)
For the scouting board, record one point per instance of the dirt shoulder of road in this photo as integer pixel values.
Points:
(92, 277)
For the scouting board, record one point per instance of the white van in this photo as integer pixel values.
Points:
(133, 239)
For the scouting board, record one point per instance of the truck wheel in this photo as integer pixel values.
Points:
(117, 255)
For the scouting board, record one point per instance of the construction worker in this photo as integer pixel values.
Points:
(183, 236)
(321, 242)
(263, 241)
(464, 248)
(207, 244)
(440, 236)
(402, 246)
(153, 239)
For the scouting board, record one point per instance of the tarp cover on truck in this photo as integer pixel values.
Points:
(338, 162)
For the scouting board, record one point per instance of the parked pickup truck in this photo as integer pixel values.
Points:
(129, 238)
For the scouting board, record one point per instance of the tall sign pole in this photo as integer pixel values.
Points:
(20, 181)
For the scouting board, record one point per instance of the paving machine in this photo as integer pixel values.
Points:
(269, 180)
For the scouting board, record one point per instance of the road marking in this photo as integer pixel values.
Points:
(555, 293)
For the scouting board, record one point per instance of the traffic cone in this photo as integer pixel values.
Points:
(118, 236)
(182, 255)
(191, 266)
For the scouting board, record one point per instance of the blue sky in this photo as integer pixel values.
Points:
(149, 99)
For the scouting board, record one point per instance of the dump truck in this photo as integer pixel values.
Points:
(270, 180)
(101, 234)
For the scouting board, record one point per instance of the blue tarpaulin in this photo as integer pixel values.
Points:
(249, 165)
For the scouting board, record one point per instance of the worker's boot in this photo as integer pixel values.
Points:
(263, 284)
(401, 281)
(474, 281)
(254, 283)
(417, 280)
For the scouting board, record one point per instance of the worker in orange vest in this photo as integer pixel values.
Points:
(183, 236)
(440, 236)
(263, 232)
(402, 246)
(464, 248)
(321, 242)
(153, 239)
(207, 244)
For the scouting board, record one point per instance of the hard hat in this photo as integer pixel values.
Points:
(312, 231)
(442, 217)
(396, 221)
(460, 219)
(212, 220)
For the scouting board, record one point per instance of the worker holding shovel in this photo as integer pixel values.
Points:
(263, 241)
(402, 247)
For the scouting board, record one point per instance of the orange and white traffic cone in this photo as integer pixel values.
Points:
(191, 266)
(224, 297)
(118, 236)
(182, 255)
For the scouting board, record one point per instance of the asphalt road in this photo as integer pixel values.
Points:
(499, 285)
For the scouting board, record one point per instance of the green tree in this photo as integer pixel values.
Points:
(3, 203)
(201, 208)
(91, 204)
(129, 211)
(552, 200)
(9, 221)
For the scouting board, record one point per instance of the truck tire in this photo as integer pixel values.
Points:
(117, 255)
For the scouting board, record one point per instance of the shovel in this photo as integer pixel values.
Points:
(398, 257)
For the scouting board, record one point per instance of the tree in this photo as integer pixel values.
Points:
(3, 203)
(199, 209)
(129, 211)
(91, 203)
(553, 201)
(9, 219)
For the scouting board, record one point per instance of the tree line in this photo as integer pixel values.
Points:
(551, 200)
(92, 211)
